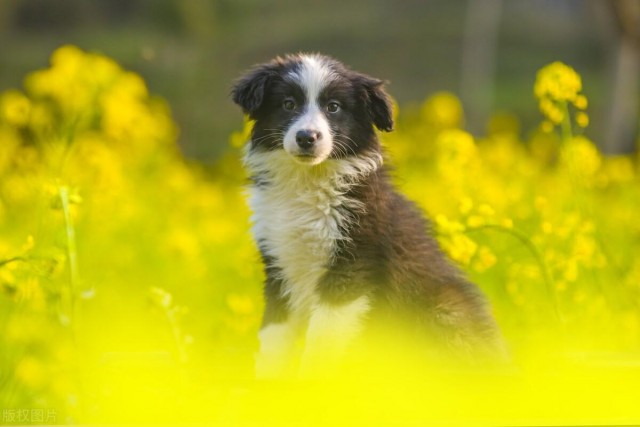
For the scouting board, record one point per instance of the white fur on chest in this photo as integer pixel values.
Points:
(299, 216)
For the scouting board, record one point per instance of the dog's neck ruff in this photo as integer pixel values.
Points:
(301, 212)
(278, 168)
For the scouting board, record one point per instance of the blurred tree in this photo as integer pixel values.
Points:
(479, 51)
(622, 130)
(7, 8)
(42, 15)
(198, 17)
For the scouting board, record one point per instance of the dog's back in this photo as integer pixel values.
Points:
(419, 295)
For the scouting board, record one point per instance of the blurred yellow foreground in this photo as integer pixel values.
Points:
(130, 290)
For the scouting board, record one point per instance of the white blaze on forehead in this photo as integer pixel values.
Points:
(314, 75)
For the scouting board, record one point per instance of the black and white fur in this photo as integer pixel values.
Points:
(342, 250)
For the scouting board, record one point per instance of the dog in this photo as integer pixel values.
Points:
(344, 253)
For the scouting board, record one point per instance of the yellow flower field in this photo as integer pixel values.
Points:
(130, 289)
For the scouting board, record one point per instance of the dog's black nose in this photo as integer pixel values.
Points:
(306, 138)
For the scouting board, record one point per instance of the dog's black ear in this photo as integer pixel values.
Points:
(249, 91)
(378, 104)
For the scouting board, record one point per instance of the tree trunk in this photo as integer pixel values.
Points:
(482, 24)
(622, 127)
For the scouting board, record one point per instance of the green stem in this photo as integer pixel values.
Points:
(10, 260)
(567, 132)
(546, 274)
(72, 252)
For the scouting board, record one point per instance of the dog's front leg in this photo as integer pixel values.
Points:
(276, 358)
(278, 334)
(332, 328)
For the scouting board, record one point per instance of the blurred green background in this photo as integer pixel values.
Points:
(129, 284)
(190, 51)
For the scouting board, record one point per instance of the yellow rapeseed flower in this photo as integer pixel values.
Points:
(446, 226)
(558, 82)
(239, 138)
(64, 81)
(551, 110)
(475, 221)
(618, 169)
(557, 87)
(10, 140)
(31, 372)
(443, 110)
(485, 259)
(486, 210)
(42, 120)
(460, 248)
(546, 126)
(581, 158)
(241, 304)
(15, 108)
(466, 205)
(456, 149)
(581, 102)
(582, 119)
(507, 223)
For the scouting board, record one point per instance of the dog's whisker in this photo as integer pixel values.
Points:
(344, 145)
(269, 137)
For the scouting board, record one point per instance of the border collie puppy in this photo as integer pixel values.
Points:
(342, 250)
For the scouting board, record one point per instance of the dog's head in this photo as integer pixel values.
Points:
(313, 107)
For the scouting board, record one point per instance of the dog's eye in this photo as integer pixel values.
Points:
(289, 105)
(333, 107)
